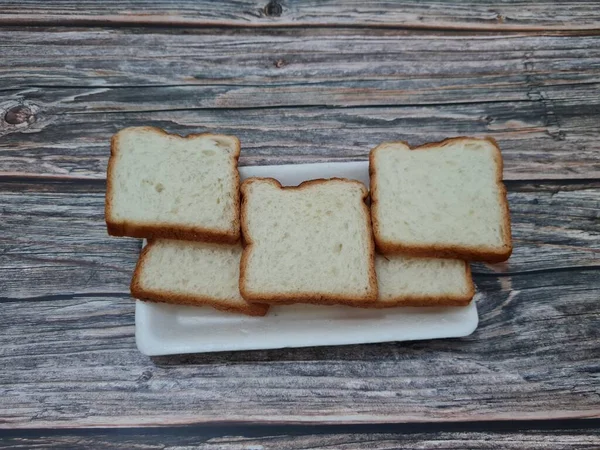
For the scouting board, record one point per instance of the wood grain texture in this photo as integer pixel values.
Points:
(69, 358)
(77, 145)
(336, 94)
(201, 438)
(71, 363)
(485, 15)
(59, 239)
(416, 63)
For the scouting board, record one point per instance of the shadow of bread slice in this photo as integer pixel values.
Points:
(162, 185)
(192, 273)
(310, 243)
(416, 281)
(443, 200)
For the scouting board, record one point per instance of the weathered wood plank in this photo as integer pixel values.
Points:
(58, 239)
(536, 94)
(277, 439)
(414, 62)
(537, 142)
(73, 362)
(399, 92)
(485, 15)
(68, 357)
(54, 240)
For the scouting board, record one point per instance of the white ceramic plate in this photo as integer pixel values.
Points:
(162, 329)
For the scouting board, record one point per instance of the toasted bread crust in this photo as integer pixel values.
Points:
(154, 231)
(169, 231)
(479, 253)
(307, 297)
(138, 292)
(431, 300)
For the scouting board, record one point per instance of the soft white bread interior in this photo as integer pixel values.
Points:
(416, 281)
(164, 185)
(192, 273)
(311, 243)
(441, 200)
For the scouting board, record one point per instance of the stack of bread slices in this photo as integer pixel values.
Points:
(242, 248)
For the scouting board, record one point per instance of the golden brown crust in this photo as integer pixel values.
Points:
(154, 231)
(162, 230)
(308, 297)
(138, 292)
(428, 300)
(481, 253)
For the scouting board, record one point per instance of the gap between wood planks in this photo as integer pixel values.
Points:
(218, 429)
(264, 19)
(117, 22)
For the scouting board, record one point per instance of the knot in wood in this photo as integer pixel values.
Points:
(18, 114)
(273, 9)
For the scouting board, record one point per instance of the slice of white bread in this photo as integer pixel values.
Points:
(165, 185)
(444, 199)
(415, 281)
(192, 273)
(310, 243)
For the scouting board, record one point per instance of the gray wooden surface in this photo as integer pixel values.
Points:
(318, 81)
(479, 15)
(301, 94)
(316, 438)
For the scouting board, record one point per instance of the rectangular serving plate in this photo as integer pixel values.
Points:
(163, 329)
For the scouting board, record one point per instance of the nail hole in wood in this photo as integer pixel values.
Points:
(18, 114)
(273, 9)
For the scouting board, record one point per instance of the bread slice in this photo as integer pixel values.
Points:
(414, 281)
(444, 199)
(307, 244)
(168, 186)
(192, 273)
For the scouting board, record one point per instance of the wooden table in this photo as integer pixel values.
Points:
(298, 82)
